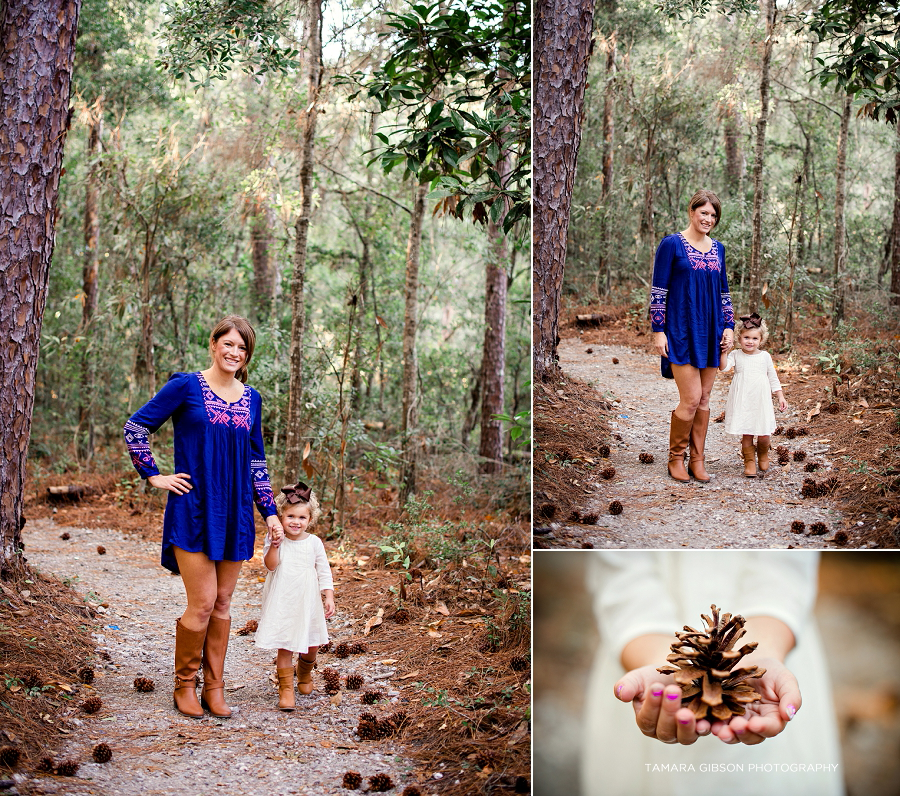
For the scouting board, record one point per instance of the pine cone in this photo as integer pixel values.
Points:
(588, 350)
(352, 780)
(589, 519)
(398, 719)
(778, 431)
(401, 616)
(385, 728)
(484, 759)
(810, 488)
(802, 431)
(67, 768)
(797, 526)
(799, 456)
(574, 516)
(46, 765)
(811, 467)
(818, 529)
(326, 647)
(603, 451)
(615, 507)
(840, 537)
(608, 473)
(101, 753)
(411, 790)
(790, 433)
(564, 455)
(342, 650)
(615, 360)
(587, 546)
(366, 716)
(9, 756)
(379, 783)
(31, 678)
(646, 458)
(710, 685)
(332, 681)
(359, 648)
(829, 485)
(250, 627)
(354, 682)
(65, 536)
(367, 730)
(782, 449)
(144, 684)
(92, 704)
(371, 697)
(101, 550)
(546, 511)
(833, 409)
(518, 663)
(86, 675)
(783, 458)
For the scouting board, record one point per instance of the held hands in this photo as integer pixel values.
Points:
(727, 341)
(657, 706)
(178, 483)
(276, 531)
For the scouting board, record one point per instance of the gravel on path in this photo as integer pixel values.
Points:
(731, 511)
(259, 750)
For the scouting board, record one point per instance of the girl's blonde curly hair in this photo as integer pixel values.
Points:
(763, 330)
(315, 512)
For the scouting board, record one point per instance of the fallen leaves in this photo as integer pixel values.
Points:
(373, 621)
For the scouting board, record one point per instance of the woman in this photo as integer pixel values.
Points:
(693, 322)
(220, 470)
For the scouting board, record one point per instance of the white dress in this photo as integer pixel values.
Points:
(639, 592)
(292, 616)
(748, 409)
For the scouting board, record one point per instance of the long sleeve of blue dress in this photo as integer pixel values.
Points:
(148, 420)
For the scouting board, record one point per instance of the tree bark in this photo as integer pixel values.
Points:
(493, 360)
(895, 226)
(410, 420)
(562, 48)
(37, 49)
(840, 234)
(261, 242)
(604, 274)
(90, 275)
(755, 291)
(293, 436)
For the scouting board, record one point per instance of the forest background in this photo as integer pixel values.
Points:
(788, 111)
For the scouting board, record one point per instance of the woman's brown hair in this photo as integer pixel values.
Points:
(244, 329)
(701, 198)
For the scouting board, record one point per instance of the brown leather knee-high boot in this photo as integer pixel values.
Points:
(188, 647)
(679, 434)
(697, 464)
(749, 453)
(304, 674)
(212, 695)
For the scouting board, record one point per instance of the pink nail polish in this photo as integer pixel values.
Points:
(673, 696)
(791, 711)
(619, 688)
(657, 693)
(684, 721)
(738, 732)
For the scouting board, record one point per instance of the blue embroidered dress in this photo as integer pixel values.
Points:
(690, 302)
(220, 445)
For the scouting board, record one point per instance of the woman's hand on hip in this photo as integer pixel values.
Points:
(178, 483)
(661, 344)
(657, 707)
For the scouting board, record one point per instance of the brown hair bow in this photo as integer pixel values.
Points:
(297, 493)
(752, 321)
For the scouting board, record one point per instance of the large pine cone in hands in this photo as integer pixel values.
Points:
(704, 664)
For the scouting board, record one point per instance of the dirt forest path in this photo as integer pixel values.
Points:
(730, 512)
(259, 750)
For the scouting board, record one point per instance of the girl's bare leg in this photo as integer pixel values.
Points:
(284, 659)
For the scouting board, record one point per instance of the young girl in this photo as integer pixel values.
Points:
(748, 410)
(293, 619)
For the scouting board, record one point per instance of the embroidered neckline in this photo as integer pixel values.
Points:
(205, 384)
(694, 248)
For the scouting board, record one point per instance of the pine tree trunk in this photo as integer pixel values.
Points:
(493, 361)
(37, 49)
(261, 242)
(840, 235)
(755, 292)
(293, 436)
(562, 48)
(90, 275)
(410, 420)
(895, 227)
(604, 264)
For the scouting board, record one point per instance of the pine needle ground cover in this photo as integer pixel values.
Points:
(462, 661)
(45, 640)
